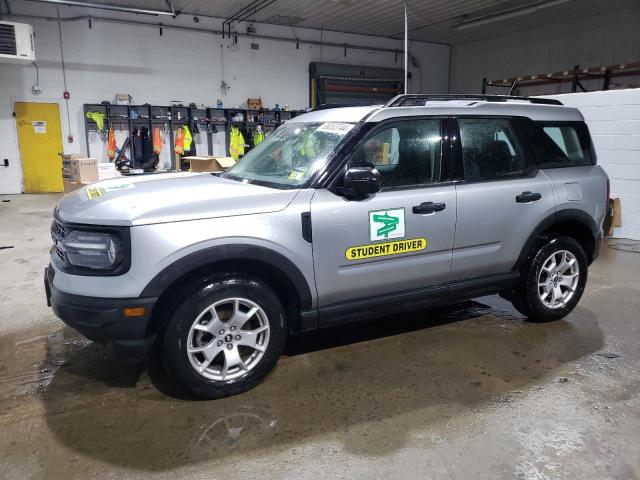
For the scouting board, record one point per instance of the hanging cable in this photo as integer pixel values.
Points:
(64, 74)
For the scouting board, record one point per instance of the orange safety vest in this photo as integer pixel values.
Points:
(179, 148)
(157, 140)
(111, 145)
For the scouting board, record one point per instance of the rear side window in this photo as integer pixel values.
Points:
(490, 149)
(563, 145)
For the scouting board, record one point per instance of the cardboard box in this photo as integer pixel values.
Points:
(107, 170)
(70, 186)
(209, 164)
(79, 169)
(123, 99)
(253, 103)
(617, 212)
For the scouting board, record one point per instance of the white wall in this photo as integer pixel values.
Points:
(614, 122)
(180, 65)
(608, 38)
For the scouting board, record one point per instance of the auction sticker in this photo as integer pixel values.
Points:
(385, 249)
(93, 192)
(335, 127)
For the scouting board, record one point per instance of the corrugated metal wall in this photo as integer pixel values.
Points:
(611, 37)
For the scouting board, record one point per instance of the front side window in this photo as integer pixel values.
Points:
(405, 153)
(291, 155)
(490, 149)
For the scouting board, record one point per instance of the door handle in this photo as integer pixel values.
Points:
(429, 207)
(528, 197)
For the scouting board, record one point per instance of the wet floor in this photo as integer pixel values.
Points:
(466, 391)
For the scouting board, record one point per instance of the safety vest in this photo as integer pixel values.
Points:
(307, 148)
(179, 148)
(258, 136)
(157, 140)
(236, 143)
(188, 139)
(97, 117)
(111, 144)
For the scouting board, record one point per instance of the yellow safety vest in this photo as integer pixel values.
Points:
(236, 143)
(258, 136)
(188, 139)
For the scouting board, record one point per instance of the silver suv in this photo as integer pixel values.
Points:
(340, 214)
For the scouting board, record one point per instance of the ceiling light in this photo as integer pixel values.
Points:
(506, 14)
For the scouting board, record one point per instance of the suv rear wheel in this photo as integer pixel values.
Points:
(553, 281)
(225, 336)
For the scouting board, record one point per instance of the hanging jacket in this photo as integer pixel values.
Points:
(137, 148)
(157, 140)
(187, 138)
(179, 147)
(111, 145)
(147, 150)
(236, 144)
(97, 117)
(258, 136)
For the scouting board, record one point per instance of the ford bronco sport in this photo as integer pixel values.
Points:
(339, 215)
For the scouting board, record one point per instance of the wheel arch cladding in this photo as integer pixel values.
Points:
(572, 223)
(272, 267)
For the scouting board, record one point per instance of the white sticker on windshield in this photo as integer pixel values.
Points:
(116, 187)
(335, 127)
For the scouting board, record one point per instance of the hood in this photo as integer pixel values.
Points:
(168, 197)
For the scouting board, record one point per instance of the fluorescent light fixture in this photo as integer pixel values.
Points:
(506, 14)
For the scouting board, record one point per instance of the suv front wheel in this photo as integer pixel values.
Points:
(225, 336)
(553, 281)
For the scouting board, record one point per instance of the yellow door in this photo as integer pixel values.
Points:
(40, 143)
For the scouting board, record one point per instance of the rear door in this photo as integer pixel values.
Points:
(395, 240)
(501, 197)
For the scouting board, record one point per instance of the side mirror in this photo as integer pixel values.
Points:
(359, 182)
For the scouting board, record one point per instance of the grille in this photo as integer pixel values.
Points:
(8, 40)
(58, 232)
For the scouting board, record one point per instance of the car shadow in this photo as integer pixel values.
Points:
(367, 386)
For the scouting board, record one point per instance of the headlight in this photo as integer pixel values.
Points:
(90, 249)
(100, 251)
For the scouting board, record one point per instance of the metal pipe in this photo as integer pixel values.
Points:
(171, 7)
(316, 43)
(106, 6)
(406, 48)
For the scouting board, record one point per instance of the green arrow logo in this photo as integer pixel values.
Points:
(390, 224)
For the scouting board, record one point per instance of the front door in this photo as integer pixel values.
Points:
(397, 240)
(40, 143)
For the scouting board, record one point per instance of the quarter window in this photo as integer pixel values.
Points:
(490, 149)
(405, 153)
(563, 144)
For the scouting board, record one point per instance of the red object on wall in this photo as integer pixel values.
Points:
(66, 95)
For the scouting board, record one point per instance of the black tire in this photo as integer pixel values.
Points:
(525, 297)
(202, 294)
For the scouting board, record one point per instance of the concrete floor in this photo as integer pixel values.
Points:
(468, 391)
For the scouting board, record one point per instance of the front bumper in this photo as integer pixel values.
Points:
(100, 319)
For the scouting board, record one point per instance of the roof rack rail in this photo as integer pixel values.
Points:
(414, 100)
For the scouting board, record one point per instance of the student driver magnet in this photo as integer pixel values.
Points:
(386, 224)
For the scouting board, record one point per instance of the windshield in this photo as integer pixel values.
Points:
(289, 156)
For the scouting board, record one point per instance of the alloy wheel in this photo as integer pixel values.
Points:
(558, 279)
(228, 339)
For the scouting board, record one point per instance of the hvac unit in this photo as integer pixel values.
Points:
(16, 43)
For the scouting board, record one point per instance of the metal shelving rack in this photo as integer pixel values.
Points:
(575, 76)
(138, 116)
